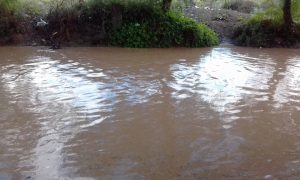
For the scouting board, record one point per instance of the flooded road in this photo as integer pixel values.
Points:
(108, 113)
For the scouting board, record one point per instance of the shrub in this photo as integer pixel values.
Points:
(265, 33)
(133, 35)
(10, 23)
(161, 29)
(8, 6)
(272, 14)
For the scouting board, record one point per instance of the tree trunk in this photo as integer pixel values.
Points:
(117, 16)
(287, 15)
(166, 5)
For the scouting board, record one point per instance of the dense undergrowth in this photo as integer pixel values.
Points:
(266, 33)
(157, 29)
(8, 21)
(136, 24)
(16, 17)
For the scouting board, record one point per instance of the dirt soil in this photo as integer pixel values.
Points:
(221, 21)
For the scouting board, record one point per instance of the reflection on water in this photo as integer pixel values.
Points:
(223, 79)
(105, 113)
(288, 85)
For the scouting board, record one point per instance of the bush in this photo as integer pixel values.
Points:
(133, 35)
(10, 23)
(265, 33)
(8, 6)
(158, 29)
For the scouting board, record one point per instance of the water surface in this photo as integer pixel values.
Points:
(109, 113)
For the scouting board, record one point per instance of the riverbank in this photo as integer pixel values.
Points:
(222, 21)
(266, 33)
(260, 29)
(97, 23)
(139, 25)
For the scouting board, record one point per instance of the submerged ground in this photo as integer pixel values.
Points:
(109, 113)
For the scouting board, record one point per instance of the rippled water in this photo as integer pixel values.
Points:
(108, 113)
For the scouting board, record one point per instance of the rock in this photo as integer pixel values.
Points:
(34, 44)
(268, 177)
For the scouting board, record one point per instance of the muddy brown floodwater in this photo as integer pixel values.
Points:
(109, 113)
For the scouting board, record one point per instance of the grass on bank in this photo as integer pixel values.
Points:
(266, 28)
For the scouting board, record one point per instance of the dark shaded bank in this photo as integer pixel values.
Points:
(96, 23)
(266, 34)
(13, 29)
(276, 26)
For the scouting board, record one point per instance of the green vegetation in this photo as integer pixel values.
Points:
(159, 29)
(144, 24)
(130, 23)
(149, 23)
(8, 21)
(278, 25)
(265, 34)
(8, 5)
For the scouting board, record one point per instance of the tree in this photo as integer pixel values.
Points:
(166, 5)
(287, 15)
